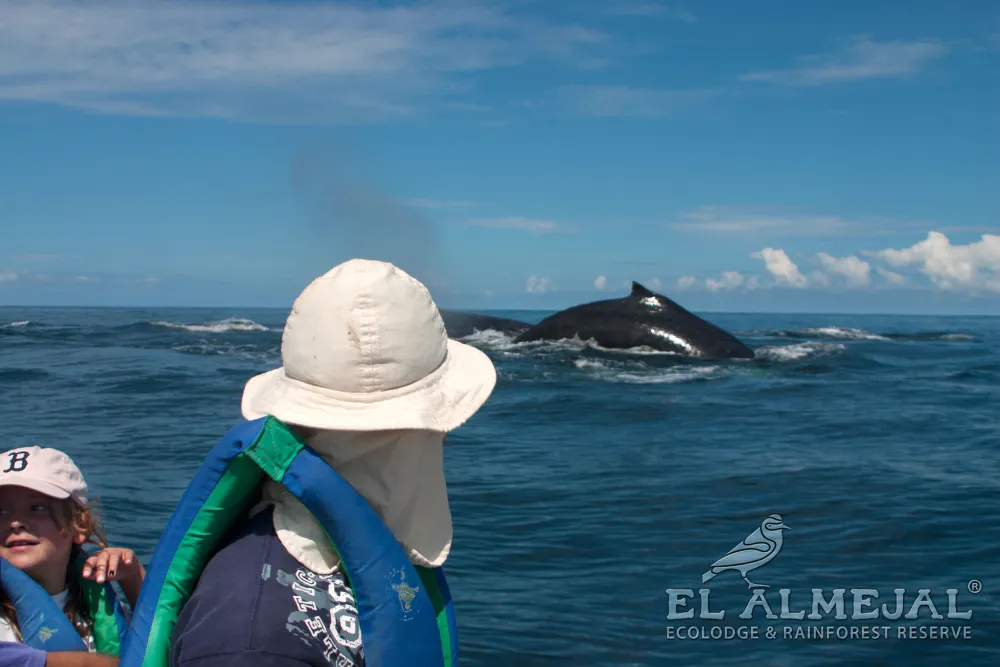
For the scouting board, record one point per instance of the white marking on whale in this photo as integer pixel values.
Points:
(652, 302)
(675, 339)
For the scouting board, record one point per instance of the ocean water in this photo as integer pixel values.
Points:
(593, 481)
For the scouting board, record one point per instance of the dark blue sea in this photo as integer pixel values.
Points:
(593, 481)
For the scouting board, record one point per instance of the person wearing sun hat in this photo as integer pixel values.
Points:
(371, 382)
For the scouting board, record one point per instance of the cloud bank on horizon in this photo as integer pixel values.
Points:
(974, 268)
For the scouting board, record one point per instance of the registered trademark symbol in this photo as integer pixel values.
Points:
(975, 586)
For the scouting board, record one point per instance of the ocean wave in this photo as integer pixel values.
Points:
(927, 336)
(841, 333)
(797, 351)
(607, 371)
(248, 352)
(851, 333)
(13, 325)
(830, 332)
(503, 342)
(222, 326)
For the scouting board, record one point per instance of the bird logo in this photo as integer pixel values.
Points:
(757, 549)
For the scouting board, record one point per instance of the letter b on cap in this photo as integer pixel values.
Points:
(18, 461)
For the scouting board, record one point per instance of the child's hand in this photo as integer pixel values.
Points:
(113, 564)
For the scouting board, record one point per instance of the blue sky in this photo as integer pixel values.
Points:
(824, 156)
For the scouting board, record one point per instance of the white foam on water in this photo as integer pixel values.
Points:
(642, 350)
(633, 373)
(268, 357)
(498, 342)
(670, 376)
(849, 333)
(843, 333)
(222, 326)
(489, 338)
(12, 325)
(575, 344)
(504, 343)
(797, 351)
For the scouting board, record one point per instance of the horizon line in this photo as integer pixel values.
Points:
(521, 310)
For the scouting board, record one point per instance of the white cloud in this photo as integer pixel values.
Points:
(600, 282)
(859, 58)
(528, 224)
(890, 277)
(975, 265)
(856, 271)
(623, 101)
(686, 282)
(819, 278)
(538, 285)
(781, 267)
(654, 284)
(730, 280)
(437, 203)
(262, 61)
(972, 267)
(83, 279)
(752, 222)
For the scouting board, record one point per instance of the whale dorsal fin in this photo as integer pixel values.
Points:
(639, 290)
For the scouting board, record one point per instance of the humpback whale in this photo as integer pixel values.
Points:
(643, 318)
(459, 324)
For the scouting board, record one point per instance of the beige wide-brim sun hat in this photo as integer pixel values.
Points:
(365, 349)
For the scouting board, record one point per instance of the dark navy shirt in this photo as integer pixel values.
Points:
(256, 606)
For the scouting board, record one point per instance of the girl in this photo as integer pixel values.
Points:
(44, 522)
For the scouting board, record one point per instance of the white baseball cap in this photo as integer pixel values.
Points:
(45, 470)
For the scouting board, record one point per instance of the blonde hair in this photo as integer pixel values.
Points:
(75, 519)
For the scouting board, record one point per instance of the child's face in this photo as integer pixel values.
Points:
(30, 537)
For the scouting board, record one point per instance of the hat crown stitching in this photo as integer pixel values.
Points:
(369, 342)
(377, 352)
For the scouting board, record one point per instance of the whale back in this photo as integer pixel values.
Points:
(643, 318)
(459, 324)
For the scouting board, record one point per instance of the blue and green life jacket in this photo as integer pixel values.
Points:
(44, 625)
(405, 611)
